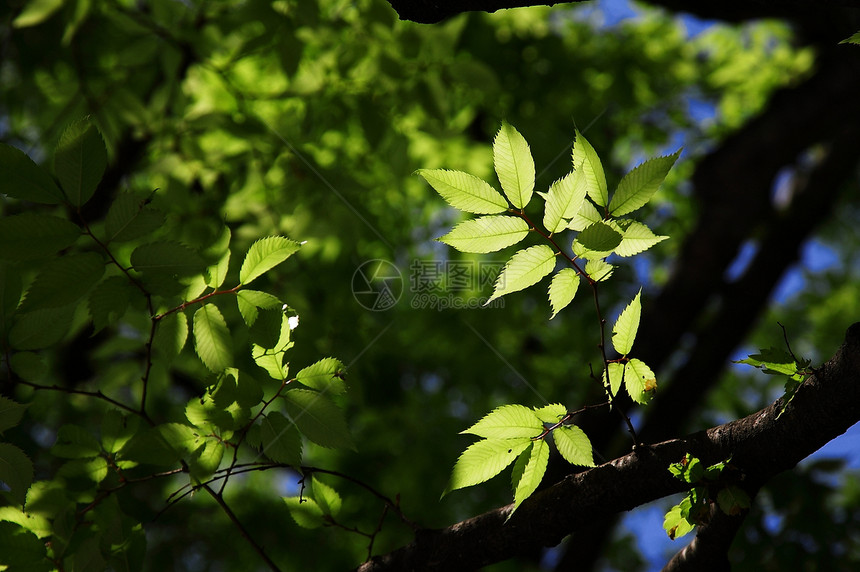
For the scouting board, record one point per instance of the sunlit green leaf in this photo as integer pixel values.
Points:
(675, 524)
(117, 429)
(639, 185)
(212, 340)
(636, 238)
(327, 498)
(486, 234)
(772, 360)
(464, 191)
(318, 418)
(626, 326)
(264, 255)
(23, 179)
(525, 268)
(514, 165)
(29, 235)
(532, 473)
(305, 511)
(639, 380)
(562, 289)
(574, 445)
(551, 413)
(598, 270)
(80, 161)
(854, 39)
(35, 12)
(564, 201)
(507, 422)
(324, 375)
(484, 460)
(587, 215)
(615, 371)
(586, 160)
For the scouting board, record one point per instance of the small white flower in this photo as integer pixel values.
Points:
(293, 321)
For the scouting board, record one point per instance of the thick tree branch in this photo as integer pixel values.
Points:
(761, 446)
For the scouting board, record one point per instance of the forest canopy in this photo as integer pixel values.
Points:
(231, 339)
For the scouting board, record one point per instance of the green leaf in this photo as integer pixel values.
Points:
(41, 328)
(675, 524)
(35, 12)
(574, 445)
(212, 340)
(585, 159)
(733, 500)
(26, 236)
(854, 39)
(249, 300)
(170, 336)
(514, 165)
(639, 380)
(520, 466)
(108, 301)
(484, 460)
(318, 418)
(532, 473)
(305, 511)
(264, 255)
(63, 280)
(324, 375)
(167, 257)
(207, 416)
(80, 161)
(16, 470)
(615, 372)
(207, 461)
(270, 360)
(626, 326)
(327, 498)
(464, 191)
(280, 439)
(117, 429)
(10, 413)
(636, 238)
(598, 270)
(486, 234)
(596, 241)
(21, 550)
(131, 217)
(94, 469)
(507, 422)
(639, 185)
(23, 179)
(587, 215)
(30, 366)
(524, 269)
(75, 442)
(11, 288)
(551, 413)
(562, 289)
(772, 360)
(35, 523)
(564, 201)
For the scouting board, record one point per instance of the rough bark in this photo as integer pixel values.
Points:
(761, 446)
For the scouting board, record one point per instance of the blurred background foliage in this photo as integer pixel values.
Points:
(307, 119)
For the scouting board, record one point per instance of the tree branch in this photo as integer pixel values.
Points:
(760, 446)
